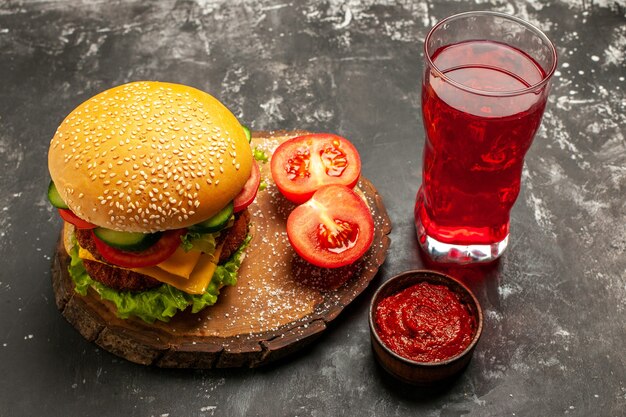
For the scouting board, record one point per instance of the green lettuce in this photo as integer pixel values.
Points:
(203, 242)
(160, 303)
(260, 155)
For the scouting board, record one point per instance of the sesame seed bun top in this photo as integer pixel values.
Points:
(149, 156)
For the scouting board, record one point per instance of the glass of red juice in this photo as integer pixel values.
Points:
(484, 89)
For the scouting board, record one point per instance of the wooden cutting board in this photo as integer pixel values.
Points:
(280, 303)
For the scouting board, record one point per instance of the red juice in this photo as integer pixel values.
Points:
(476, 139)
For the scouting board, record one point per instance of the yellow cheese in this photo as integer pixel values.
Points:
(200, 265)
(85, 254)
(181, 263)
(197, 281)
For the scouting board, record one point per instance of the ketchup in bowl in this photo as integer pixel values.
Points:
(425, 322)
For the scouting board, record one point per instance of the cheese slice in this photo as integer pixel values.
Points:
(197, 281)
(181, 263)
(201, 267)
(85, 254)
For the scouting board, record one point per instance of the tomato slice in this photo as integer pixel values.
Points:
(69, 216)
(155, 254)
(248, 192)
(303, 164)
(333, 229)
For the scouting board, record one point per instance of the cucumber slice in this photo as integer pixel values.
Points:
(215, 223)
(246, 130)
(130, 241)
(55, 197)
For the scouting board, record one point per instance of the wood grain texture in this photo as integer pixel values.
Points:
(279, 305)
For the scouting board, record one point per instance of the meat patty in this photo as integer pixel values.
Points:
(126, 280)
(84, 237)
(235, 236)
(119, 278)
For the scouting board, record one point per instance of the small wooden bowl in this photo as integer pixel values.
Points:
(423, 373)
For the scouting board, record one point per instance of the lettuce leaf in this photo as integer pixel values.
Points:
(160, 303)
(260, 155)
(203, 242)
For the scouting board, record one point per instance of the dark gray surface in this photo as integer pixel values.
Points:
(555, 306)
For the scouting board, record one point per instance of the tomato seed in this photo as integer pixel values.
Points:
(334, 159)
(298, 166)
(340, 238)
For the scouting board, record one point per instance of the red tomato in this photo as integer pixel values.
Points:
(303, 164)
(70, 217)
(334, 228)
(249, 190)
(155, 254)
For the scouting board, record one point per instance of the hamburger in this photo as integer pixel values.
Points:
(153, 181)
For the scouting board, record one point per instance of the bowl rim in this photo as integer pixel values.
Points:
(424, 273)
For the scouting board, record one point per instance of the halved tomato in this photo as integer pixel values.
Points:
(334, 228)
(155, 254)
(249, 190)
(303, 164)
(69, 216)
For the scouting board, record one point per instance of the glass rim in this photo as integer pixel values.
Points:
(545, 80)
